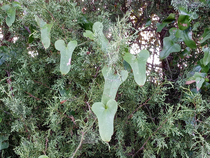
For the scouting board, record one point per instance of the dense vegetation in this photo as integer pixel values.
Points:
(75, 81)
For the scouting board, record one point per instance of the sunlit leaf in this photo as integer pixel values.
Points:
(138, 65)
(66, 54)
(169, 47)
(205, 36)
(45, 31)
(105, 114)
(192, 15)
(112, 82)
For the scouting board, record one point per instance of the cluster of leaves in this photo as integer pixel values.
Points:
(69, 83)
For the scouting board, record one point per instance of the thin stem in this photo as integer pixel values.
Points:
(81, 140)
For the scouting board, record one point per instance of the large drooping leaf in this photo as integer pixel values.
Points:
(169, 46)
(205, 36)
(11, 11)
(187, 37)
(138, 65)
(112, 82)
(98, 36)
(45, 31)
(4, 141)
(98, 30)
(66, 54)
(198, 78)
(105, 114)
(206, 58)
(166, 21)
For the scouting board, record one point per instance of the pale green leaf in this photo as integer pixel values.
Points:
(105, 114)
(45, 31)
(45, 35)
(43, 156)
(66, 54)
(206, 58)
(112, 82)
(98, 31)
(88, 34)
(138, 65)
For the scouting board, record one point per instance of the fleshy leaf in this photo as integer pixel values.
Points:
(43, 156)
(206, 58)
(183, 22)
(98, 30)
(187, 38)
(45, 31)
(112, 83)
(105, 114)
(205, 36)
(169, 47)
(138, 65)
(88, 34)
(66, 54)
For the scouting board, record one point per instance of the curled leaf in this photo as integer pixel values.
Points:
(138, 65)
(45, 31)
(112, 83)
(105, 114)
(66, 54)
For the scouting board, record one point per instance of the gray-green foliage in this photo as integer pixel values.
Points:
(43, 112)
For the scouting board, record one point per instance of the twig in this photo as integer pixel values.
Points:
(81, 140)
(45, 146)
(42, 84)
(33, 96)
(131, 115)
(150, 137)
